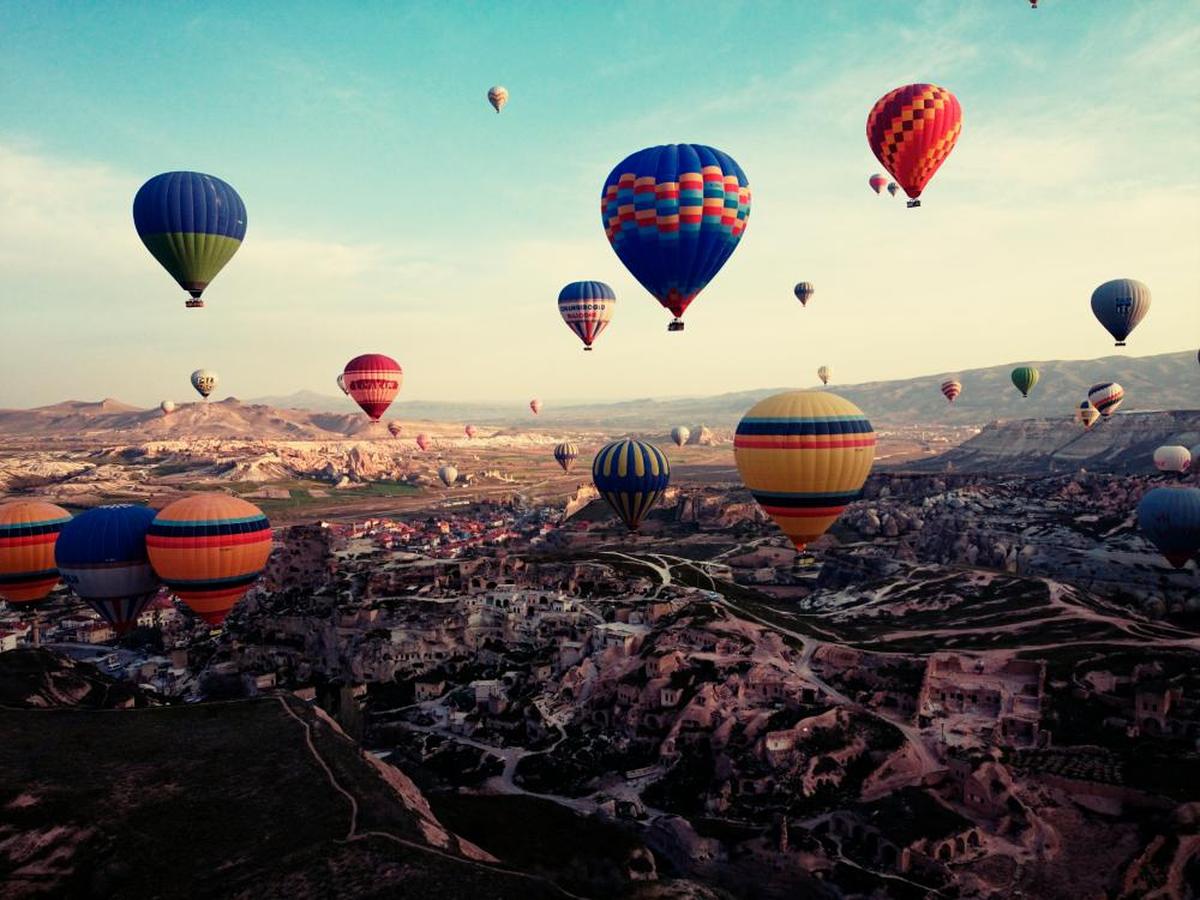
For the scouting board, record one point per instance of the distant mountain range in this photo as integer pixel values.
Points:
(1165, 381)
(1170, 381)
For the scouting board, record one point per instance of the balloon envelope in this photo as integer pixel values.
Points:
(209, 549)
(1024, 378)
(1170, 518)
(535, 405)
(394, 429)
(470, 431)
(28, 531)
(824, 373)
(587, 307)
(423, 441)
(498, 96)
(373, 381)
(631, 477)
(804, 455)
(1172, 458)
(565, 455)
(102, 557)
(1087, 414)
(893, 188)
(341, 383)
(680, 435)
(204, 381)
(804, 291)
(951, 389)
(1106, 397)
(167, 407)
(448, 474)
(674, 214)
(192, 224)
(877, 182)
(1120, 305)
(911, 130)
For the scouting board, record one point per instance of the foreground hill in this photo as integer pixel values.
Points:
(229, 800)
(1124, 443)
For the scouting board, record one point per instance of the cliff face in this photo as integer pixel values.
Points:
(1124, 443)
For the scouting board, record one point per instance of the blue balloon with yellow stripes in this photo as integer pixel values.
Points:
(631, 477)
(192, 224)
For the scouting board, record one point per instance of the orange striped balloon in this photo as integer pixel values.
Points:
(209, 549)
(28, 530)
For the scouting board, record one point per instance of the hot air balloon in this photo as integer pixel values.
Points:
(204, 381)
(102, 557)
(1033, 3)
(423, 441)
(167, 407)
(1170, 518)
(470, 431)
(631, 476)
(209, 549)
(674, 214)
(1119, 305)
(535, 405)
(877, 182)
(28, 530)
(1024, 378)
(893, 188)
(448, 474)
(680, 435)
(912, 130)
(1087, 414)
(951, 389)
(587, 308)
(1173, 458)
(804, 455)
(373, 381)
(341, 383)
(394, 429)
(192, 224)
(824, 373)
(1106, 397)
(498, 96)
(804, 291)
(565, 454)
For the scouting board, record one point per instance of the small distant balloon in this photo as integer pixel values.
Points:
(204, 381)
(167, 407)
(1120, 305)
(893, 188)
(1087, 414)
(1106, 397)
(1173, 458)
(565, 455)
(804, 291)
(1024, 378)
(680, 435)
(394, 429)
(341, 383)
(1170, 518)
(877, 182)
(951, 389)
(498, 96)
(470, 431)
(423, 441)
(824, 373)
(448, 474)
(535, 405)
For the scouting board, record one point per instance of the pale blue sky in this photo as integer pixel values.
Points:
(391, 210)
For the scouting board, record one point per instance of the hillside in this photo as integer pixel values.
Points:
(220, 800)
(1124, 443)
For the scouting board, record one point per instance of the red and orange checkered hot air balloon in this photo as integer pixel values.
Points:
(912, 130)
(28, 531)
(209, 549)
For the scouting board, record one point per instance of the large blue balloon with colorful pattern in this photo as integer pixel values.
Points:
(674, 214)
(631, 477)
(192, 224)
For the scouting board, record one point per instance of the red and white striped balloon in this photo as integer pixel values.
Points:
(951, 389)
(373, 381)
(1106, 397)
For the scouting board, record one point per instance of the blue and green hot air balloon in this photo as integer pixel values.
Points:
(631, 477)
(192, 224)
(674, 214)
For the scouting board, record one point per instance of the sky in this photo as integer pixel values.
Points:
(391, 210)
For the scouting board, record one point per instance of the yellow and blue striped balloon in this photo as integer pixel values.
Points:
(804, 455)
(631, 477)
